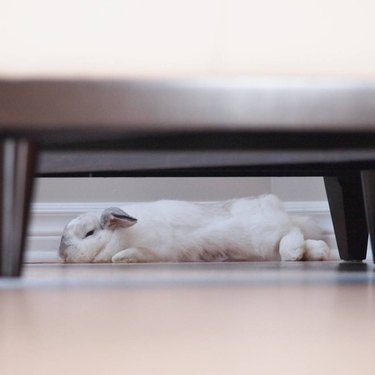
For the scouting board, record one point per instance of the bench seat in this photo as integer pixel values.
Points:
(197, 127)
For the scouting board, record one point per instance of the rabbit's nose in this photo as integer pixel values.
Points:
(62, 250)
(62, 255)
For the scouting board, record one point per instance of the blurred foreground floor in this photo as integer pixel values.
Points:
(244, 318)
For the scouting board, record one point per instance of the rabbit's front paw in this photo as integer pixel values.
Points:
(135, 255)
(130, 255)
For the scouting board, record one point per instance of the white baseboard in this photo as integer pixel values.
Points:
(49, 219)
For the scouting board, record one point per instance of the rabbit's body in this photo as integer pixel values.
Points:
(245, 229)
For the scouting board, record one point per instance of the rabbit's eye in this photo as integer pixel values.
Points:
(90, 233)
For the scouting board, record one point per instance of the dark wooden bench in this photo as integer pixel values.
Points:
(234, 127)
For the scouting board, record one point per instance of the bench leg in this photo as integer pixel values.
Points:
(368, 182)
(345, 198)
(17, 165)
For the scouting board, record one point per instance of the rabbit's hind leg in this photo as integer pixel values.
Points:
(316, 250)
(292, 245)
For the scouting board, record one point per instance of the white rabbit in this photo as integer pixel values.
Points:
(246, 229)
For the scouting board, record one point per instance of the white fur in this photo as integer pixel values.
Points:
(246, 229)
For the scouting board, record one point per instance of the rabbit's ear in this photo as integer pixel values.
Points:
(114, 217)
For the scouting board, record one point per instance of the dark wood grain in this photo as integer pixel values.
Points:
(348, 214)
(202, 163)
(234, 104)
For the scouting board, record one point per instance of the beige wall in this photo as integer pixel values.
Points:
(311, 38)
(299, 188)
(144, 189)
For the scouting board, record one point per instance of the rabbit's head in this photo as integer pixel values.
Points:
(87, 235)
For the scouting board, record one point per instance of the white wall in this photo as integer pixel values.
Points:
(299, 188)
(146, 189)
(311, 38)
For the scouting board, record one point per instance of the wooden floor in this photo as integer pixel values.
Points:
(248, 318)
